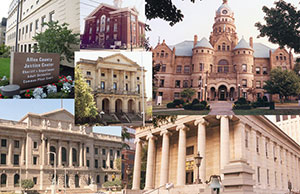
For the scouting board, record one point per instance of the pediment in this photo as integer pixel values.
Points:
(119, 59)
(60, 114)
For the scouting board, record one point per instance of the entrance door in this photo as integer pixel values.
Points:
(222, 95)
(189, 178)
(76, 181)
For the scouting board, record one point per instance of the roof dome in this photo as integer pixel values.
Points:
(242, 45)
(224, 6)
(204, 43)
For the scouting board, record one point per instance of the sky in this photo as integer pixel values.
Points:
(87, 6)
(4, 8)
(134, 56)
(199, 19)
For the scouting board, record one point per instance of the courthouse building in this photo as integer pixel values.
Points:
(221, 68)
(113, 26)
(118, 84)
(250, 153)
(87, 159)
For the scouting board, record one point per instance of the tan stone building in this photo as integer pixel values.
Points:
(250, 153)
(87, 159)
(221, 68)
(118, 84)
(290, 125)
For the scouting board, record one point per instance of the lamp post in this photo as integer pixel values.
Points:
(17, 27)
(54, 188)
(239, 86)
(102, 114)
(205, 92)
(198, 160)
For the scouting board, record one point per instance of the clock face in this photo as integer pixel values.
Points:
(224, 11)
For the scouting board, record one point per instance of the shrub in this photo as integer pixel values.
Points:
(265, 99)
(241, 101)
(208, 107)
(4, 82)
(27, 184)
(171, 105)
(198, 107)
(195, 101)
(272, 105)
(187, 106)
(178, 101)
(242, 106)
(204, 103)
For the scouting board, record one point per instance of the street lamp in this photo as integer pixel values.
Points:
(198, 160)
(102, 113)
(53, 190)
(205, 92)
(239, 86)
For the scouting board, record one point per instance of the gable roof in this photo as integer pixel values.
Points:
(99, 7)
(48, 114)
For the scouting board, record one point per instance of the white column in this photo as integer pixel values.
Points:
(137, 165)
(108, 158)
(59, 158)
(181, 155)
(70, 155)
(22, 152)
(112, 79)
(239, 141)
(164, 171)
(150, 162)
(43, 150)
(224, 143)
(48, 150)
(9, 155)
(201, 146)
(80, 154)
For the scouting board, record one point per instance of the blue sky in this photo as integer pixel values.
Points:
(113, 130)
(199, 19)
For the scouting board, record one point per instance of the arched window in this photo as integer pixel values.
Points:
(223, 47)
(223, 66)
(102, 25)
(52, 149)
(63, 154)
(16, 180)
(105, 178)
(74, 154)
(3, 180)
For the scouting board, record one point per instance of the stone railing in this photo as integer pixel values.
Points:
(12, 123)
(118, 92)
(107, 137)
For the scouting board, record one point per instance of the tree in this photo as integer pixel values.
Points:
(297, 66)
(27, 184)
(85, 106)
(4, 51)
(118, 163)
(125, 136)
(282, 25)
(188, 93)
(284, 83)
(57, 39)
(165, 10)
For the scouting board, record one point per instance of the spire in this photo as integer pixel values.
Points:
(225, 1)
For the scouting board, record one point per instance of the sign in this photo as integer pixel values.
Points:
(189, 165)
(29, 70)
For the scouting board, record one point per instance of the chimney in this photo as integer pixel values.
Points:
(251, 42)
(164, 42)
(195, 40)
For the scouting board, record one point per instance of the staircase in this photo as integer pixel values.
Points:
(134, 117)
(122, 118)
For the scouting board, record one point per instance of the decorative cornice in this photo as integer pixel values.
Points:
(151, 136)
(225, 116)
(201, 121)
(182, 127)
(165, 131)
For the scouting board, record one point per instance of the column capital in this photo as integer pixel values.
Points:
(137, 141)
(182, 127)
(165, 131)
(201, 121)
(151, 136)
(224, 116)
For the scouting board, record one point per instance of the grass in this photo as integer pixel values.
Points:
(267, 112)
(4, 67)
(182, 112)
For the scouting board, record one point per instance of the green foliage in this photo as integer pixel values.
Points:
(284, 83)
(85, 106)
(261, 103)
(27, 184)
(178, 101)
(118, 162)
(4, 67)
(171, 105)
(163, 119)
(240, 101)
(57, 39)
(125, 136)
(191, 106)
(242, 106)
(282, 25)
(4, 51)
(297, 66)
(58, 95)
(188, 93)
(115, 183)
(195, 101)
(204, 103)
(4, 82)
(165, 10)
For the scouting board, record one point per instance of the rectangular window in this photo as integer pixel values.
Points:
(246, 139)
(87, 150)
(244, 67)
(178, 69)
(26, 29)
(115, 86)
(96, 151)
(257, 70)
(192, 67)
(103, 164)
(268, 177)
(34, 160)
(51, 16)
(111, 152)
(161, 83)
(163, 68)
(258, 174)
(190, 150)
(102, 85)
(3, 142)
(37, 24)
(265, 71)
(103, 151)
(118, 153)
(257, 144)
(88, 73)
(244, 83)
(201, 67)
(34, 179)
(187, 69)
(88, 82)
(266, 145)
(16, 144)
(115, 27)
(43, 20)
(176, 95)
(111, 164)
(96, 163)
(220, 69)
(87, 163)
(16, 159)
(226, 69)
(3, 158)
(177, 84)
(258, 84)
(185, 83)
(35, 145)
(30, 28)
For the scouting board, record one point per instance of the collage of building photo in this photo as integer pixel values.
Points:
(150, 97)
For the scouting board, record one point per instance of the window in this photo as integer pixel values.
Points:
(266, 145)
(177, 84)
(96, 150)
(274, 152)
(103, 164)
(111, 164)
(226, 69)
(223, 47)
(98, 179)
(3, 158)
(163, 68)
(102, 25)
(244, 67)
(257, 144)
(115, 86)
(190, 150)
(103, 151)
(51, 16)
(162, 53)
(201, 66)
(193, 67)
(102, 74)
(16, 143)
(118, 153)
(63, 154)
(246, 139)
(178, 69)
(220, 69)
(244, 83)
(126, 87)
(115, 76)
(115, 27)
(257, 70)
(111, 152)
(34, 179)
(187, 69)
(258, 174)
(26, 29)
(3, 142)
(87, 150)
(102, 85)
(35, 145)
(34, 160)
(162, 82)
(176, 94)
(88, 73)
(88, 82)
(16, 159)
(88, 163)
(268, 178)
(43, 20)
(96, 163)
(37, 24)
(185, 83)
(258, 84)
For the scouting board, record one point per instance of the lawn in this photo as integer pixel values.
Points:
(267, 112)
(4, 67)
(182, 112)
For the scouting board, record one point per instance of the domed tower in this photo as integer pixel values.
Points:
(243, 61)
(224, 26)
(202, 62)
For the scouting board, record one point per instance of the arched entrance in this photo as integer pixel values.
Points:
(118, 106)
(76, 181)
(223, 94)
(16, 180)
(213, 93)
(232, 93)
(105, 105)
(130, 106)
(3, 180)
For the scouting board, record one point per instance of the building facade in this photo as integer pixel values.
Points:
(84, 160)
(118, 84)
(32, 14)
(113, 27)
(250, 153)
(3, 30)
(221, 68)
(290, 125)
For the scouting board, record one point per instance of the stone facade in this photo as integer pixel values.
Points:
(113, 26)
(88, 159)
(219, 69)
(117, 83)
(250, 153)
(290, 125)
(3, 30)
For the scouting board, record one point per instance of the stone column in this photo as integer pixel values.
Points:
(59, 158)
(48, 150)
(124, 83)
(70, 155)
(80, 155)
(9, 155)
(22, 152)
(112, 79)
(150, 162)
(164, 171)
(201, 147)
(84, 155)
(28, 151)
(181, 155)
(43, 150)
(239, 141)
(137, 165)
(108, 158)
(224, 143)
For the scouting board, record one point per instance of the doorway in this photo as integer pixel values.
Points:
(189, 177)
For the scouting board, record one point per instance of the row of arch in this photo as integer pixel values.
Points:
(222, 93)
(118, 106)
(64, 156)
(3, 180)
